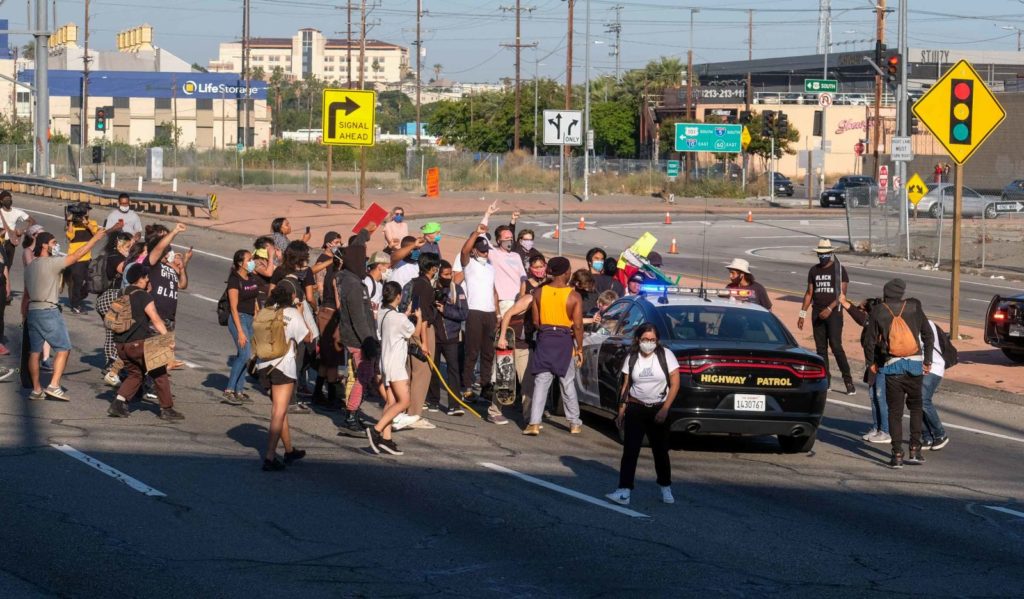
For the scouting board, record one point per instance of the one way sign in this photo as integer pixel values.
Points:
(1004, 207)
(563, 128)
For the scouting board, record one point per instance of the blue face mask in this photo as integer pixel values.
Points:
(250, 266)
(415, 255)
(437, 239)
(399, 218)
(597, 265)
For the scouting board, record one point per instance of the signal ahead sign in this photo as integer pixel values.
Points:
(348, 117)
(960, 111)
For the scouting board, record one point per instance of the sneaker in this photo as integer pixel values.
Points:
(532, 430)
(850, 389)
(111, 379)
(666, 495)
(926, 443)
(374, 439)
(868, 435)
(939, 443)
(171, 414)
(298, 408)
(243, 397)
(58, 393)
(497, 419)
(76, 310)
(5, 373)
(150, 395)
(880, 437)
(389, 446)
(231, 399)
(915, 456)
(456, 411)
(421, 423)
(274, 465)
(896, 461)
(352, 422)
(37, 395)
(575, 429)
(621, 496)
(118, 409)
(433, 407)
(294, 455)
(403, 421)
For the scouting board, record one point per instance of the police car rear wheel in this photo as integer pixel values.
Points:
(790, 444)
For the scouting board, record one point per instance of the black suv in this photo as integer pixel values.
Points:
(783, 186)
(857, 189)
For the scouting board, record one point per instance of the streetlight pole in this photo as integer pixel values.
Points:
(42, 116)
(536, 101)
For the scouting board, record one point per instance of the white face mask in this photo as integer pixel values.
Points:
(384, 274)
(124, 209)
(648, 347)
(170, 256)
(481, 259)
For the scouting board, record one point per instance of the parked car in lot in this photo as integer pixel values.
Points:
(723, 170)
(856, 189)
(1004, 326)
(975, 204)
(741, 371)
(783, 186)
(1014, 191)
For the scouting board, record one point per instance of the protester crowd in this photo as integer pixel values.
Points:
(386, 316)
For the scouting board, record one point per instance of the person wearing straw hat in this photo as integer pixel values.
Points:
(826, 283)
(740, 278)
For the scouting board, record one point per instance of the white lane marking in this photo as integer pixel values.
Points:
(947, 425)
(211, 254)
(110, 471)
(204, 298)
(1004, 510)
(563, 490)
(862, 283)
(983, 301)
(800, 236)
(43, 213)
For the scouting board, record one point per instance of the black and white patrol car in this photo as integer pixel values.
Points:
(741, 370)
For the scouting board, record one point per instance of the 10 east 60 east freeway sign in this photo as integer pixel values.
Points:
(704, 137)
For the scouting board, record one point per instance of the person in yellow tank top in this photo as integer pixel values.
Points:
(558, 318)
(80, 229)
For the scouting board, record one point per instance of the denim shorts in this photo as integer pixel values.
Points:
(47, 325)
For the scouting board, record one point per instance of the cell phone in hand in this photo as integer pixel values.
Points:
(415, 303)
(307, 230)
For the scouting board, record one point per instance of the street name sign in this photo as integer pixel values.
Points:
(916, 189)
(901, 149)
(817, 86)
(709, 137)
(563, 127)
(349, 117)
(672, 168)
(960, 111)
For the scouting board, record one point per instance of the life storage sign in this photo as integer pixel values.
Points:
(349, 117)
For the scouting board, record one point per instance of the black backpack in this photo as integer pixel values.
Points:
(98, 282)
(662, 360)
(950, 355)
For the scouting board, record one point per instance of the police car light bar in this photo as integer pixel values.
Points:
(654, 289)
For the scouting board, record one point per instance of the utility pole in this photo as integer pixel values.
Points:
(83, 115)
(348, 44)
(824, 109)
(42, 113)
(362, 85)
(876, 135)
(518, 46)
(616, 28)
(902, 122)
(690, 116)
(567, 150)
(419, 61)
(586, 112)
(750, 57)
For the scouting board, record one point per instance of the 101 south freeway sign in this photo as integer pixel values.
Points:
(709, 137)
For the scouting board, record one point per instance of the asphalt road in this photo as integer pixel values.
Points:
(473, 509)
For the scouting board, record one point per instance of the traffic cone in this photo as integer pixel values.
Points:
(750, 216)
(557, 234)
(583, 225)
(673, 249)
(668, 218)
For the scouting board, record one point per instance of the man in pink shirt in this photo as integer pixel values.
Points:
(509, 273)
(396, 228)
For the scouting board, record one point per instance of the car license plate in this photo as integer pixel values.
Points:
(1016, 330)
(748, 403)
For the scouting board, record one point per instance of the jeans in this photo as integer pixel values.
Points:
(900, 389)
(829, 333)
(47, 326)
(450, 352)
(541, 386)
(637, 422)
(236, 380)
(879, 407)
(932, 425)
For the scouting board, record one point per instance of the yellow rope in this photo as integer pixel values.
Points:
(450, 392)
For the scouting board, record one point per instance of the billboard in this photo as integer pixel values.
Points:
(140, 84)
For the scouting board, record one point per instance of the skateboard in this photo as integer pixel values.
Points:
(505, 371)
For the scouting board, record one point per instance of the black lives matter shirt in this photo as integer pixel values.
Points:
(164, 282)
(823, 282)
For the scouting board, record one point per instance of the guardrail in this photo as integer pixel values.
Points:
(157, 203)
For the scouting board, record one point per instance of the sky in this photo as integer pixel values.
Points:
(465, 36)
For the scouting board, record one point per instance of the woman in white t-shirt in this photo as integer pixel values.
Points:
(280, 374)
(649, 387)
(394, 330)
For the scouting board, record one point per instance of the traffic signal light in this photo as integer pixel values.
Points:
(960, 112)
(768, 123)
(101, 119)
(893, 67)
(782, 124)
(745, 117)
(97, 154)
(879, 53)
(912, 122)
(817, 123)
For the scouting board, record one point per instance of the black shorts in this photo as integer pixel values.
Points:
(270, 376)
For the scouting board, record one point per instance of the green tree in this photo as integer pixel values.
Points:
(614, 126)
(760, 145)
(393, 109)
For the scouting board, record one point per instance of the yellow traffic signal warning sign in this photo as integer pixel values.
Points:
(960, 111)
(349, 117)
(916, 189)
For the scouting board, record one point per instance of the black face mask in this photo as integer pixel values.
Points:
(824, 259)
(444, 282)
(6, 203)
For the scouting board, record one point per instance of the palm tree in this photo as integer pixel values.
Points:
(437, 72)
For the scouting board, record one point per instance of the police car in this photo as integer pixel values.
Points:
(741, 370)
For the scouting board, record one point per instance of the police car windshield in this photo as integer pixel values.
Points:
(723, 323)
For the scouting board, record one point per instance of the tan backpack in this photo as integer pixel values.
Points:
(118, 318)
(268, 339)
(902, 342)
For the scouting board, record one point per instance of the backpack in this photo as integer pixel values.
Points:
(950, 355)
(223, 310)
(268, 339)
(118, 318)
(98, 282)
(902, 342)
(662, 360)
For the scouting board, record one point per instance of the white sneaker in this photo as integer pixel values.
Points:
(421, 423)
(871, 433)
(880, 437)
(666, 495)
(402, 421)
(112, 379)
(620, 496)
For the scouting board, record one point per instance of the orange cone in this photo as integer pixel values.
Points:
(556, 235)
(583, 225)
(750, 216)
(673, 249)
(668, 218)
